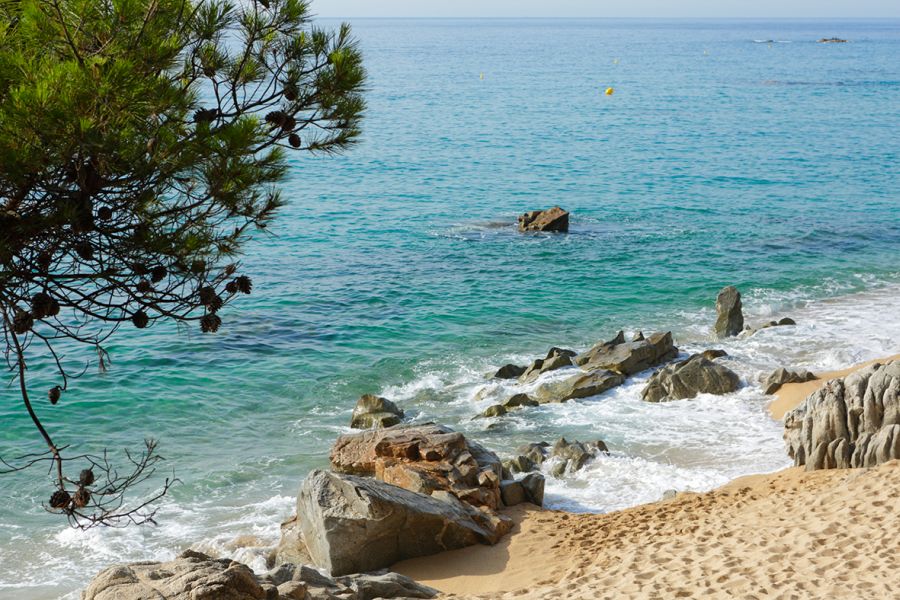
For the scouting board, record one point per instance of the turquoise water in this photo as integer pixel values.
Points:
(397, 269)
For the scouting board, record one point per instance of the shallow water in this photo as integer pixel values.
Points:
(396, 269)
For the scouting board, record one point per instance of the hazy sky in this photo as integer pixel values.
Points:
(608, 8)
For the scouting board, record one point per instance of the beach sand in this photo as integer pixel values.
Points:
(792, 394)
(791, 534)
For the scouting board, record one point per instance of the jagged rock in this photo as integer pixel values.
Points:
(520, 400)
(552, 219)
(291, 548)
(385, 584)
(782, 376)
(301, 582)
(356, 524)
(545, 365)
(519, 464)
(639, 336)
(422, 458)
(561, 352)
(191, 576)
(578, 386)
(493, 411)
(730, 317)
(512, 492)
(850, 422)
(686, 379)
(536, 451)
(629, 358)
(534, 488)
(374, 412)
(574, 455)
(509, 371)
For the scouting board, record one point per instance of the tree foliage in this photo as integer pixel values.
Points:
(141, 144)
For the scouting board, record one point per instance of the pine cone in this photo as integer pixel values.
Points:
(60, 499)
(104, 213)
(210, 323)
(206, 294)
(290, 92)
(295, 141)
(144, 286)
(276, 118)
(84, 250)
(40, 305)
(139, 269)
(158, 273)
(205, 115)
(245, 285)
(22, 322)
(43, 260)
(86, 477)
(54, 393)
(140, 319)
(231, 287)
(215, 305)
(53, 309)
(81, 498)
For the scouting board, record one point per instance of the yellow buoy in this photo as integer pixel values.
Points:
(482, 76)
(609, 91)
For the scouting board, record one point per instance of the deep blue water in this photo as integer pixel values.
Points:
(397, 269)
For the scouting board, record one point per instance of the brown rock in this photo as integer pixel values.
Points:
(552, 219)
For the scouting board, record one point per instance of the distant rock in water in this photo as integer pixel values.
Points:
(688, 378)
(629, 358)
(552, 219)
(372, 412)
(786, 321)
(782, 376)
(729, 314)
(850, 423)
(832, 40)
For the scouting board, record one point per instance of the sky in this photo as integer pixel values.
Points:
(609, 8)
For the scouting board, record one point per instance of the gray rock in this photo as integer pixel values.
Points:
(301, 582)
(578, 386)
(730, 317)
(713, 354)
(850, 423)
(191, 576)
(493, 411)
(355, 524)
(534, 488)
(779, 377)
(552, 219)
(553, 352)
(512, 492)
(669, 494)
(688, 378)
(509, 371)
(629, 358)
(385, 584)
(520, 400)
(574, 455)
(374, 412)
(519, 464)
(291, 548)
(545, 365)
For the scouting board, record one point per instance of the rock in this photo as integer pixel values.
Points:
(384, 584)
(574, 455)
(520, 400)
(629, 358)
(554, 352)
(533, 483)
(552, 219)
(493, 411)
(509, 371)
(686, 379)
(849, 423)
(512, 492)
(832, 40)
(519, 464)
(578, 386)
(301, 582)
(730, 318)
(537, 452)
(423, 459)
(713, 354)
(291, 548)
(374, 412)
(786, 321)
(191, 576)
(669, 494)
(356, 524)
(638, 336)
(779, 377)
(545, 365)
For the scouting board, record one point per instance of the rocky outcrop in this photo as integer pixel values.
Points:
(628, 358)
(552, 219)
(688, 378)
(423, 459)
(355, 524)
(729, 315)
(578, 386)
(519, 401)
(850, 422)
(782, 376)
(572, 456)
(545, 365)
(374, 412)
(509, 371)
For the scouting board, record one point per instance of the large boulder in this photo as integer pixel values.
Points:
(850, 422)
(191, 576)
(423, 459)
(552, 219)
(572, 456)
(374, 412)
(355, 524)
(578, 386)
(629, 358)
(509, 371)
(688, 378)
(729, 315)
(779, 377)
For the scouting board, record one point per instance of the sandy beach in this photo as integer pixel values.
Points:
(791, 534)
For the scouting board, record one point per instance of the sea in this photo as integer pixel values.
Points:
(728, 153)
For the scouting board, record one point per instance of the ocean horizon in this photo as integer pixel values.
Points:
(729, 152)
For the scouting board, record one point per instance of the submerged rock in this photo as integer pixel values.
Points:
(520, 400)
(850, 422)
(780, 323)
(374, 412)
(782, 376)
(355, 524)
(688, 378)
(832, 40)
(578, 386)
(729, 314)
(629, 358)
(509, 371)
(495, 410)
(552, 219)
(574, 455)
